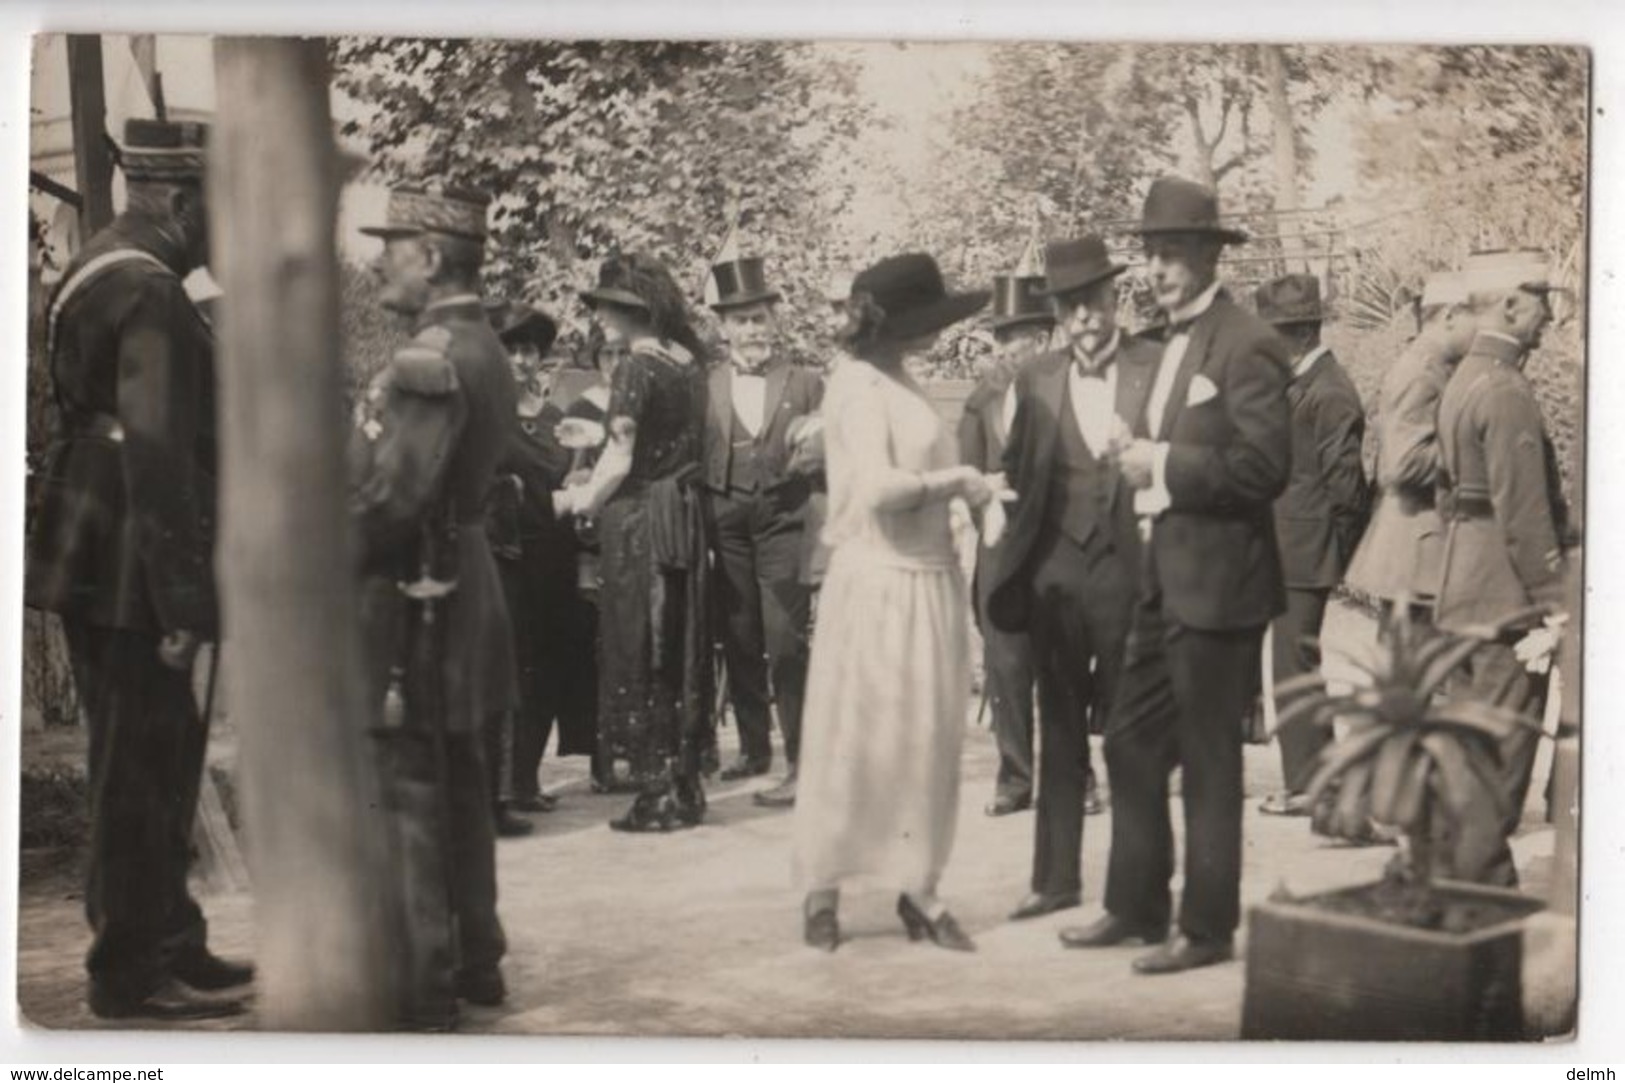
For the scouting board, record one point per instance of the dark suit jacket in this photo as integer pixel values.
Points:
(1029, 458)
(1322, 513)
(1213, 552)
(792, 391)
(123, 535)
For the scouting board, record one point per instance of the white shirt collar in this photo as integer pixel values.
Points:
(455, 299)
(1195, 306)
(1307, 361)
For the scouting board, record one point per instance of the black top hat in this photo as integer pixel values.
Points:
(741, 282)
(161, 150)
(1293, 298)
(516, 323)
(909, 291)
(1019, 300)
(411, 211)
(1074, 265)
(1176, 205)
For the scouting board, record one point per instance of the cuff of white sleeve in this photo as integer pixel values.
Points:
(1155, 500)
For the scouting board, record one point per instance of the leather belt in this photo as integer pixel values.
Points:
(1457, 507)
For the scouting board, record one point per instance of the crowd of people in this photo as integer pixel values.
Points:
(546, 548)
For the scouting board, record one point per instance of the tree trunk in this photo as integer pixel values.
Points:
(87, 105)
(316, 837)
(1285, 157)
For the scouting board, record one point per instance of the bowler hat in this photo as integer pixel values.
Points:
(1070, 266)
(162, 150)
(516, 323)
(412, 211)
(1019, 300)
(741, 282)
(1176, 205)
(912, 297)
(1293, 298)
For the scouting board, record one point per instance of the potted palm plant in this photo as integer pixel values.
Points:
(1415, 955)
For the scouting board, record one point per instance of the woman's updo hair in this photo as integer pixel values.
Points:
(865, 320)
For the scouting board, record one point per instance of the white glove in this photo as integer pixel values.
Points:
(994, 518)
(1536, 649)
(579, 433)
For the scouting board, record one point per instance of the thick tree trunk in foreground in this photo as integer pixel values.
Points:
(316, 840)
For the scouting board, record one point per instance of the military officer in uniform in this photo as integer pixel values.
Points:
(121, 548)
(755, 510)
(434, 425)
(1022, 324)
(1067, 566)
(1505, 525)
(1320, 516)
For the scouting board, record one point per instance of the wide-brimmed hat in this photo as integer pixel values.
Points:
(1503, 270)
(515, 323)
(1018, 301)
(611, 289)
(741, 282)
(910, 292)
(1073, 265)
(1290, 299)
(162, 150)
(413, 211)
(1177, 205)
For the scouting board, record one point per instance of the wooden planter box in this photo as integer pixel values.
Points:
(1314, 974)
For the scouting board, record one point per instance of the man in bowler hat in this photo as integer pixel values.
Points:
(1065, 569)
(755, 509)
(121, 548)
(430, 433)
(1022, 324)
(1320, 516)
(1210, 453)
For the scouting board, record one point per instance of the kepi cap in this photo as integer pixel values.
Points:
(412, 211)
(163, 150)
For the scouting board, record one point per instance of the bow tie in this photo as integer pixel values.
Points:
(749, 370)
(1177, 327)
(1093, 368)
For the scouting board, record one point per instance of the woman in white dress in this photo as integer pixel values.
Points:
(890, 675)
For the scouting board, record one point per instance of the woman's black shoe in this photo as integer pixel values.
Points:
(944, 932)
(822, 931)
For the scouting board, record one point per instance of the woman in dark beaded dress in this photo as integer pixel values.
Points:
(653, 648)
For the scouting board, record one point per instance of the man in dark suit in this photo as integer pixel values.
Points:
(1022, 325)
(1320, 516)
(755, 514)
(1065, 571)
(121, 548)
(1212, 451)
(432, 428)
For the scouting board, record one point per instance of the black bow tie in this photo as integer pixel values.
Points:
(1177, 327)
(1094, 369)
(747, 370)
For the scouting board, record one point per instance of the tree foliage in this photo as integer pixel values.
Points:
(594, 147)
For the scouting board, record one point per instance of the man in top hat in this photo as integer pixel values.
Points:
(755, 511)
(554, 626)
(1022, 324)
(1505, 527)
(1065, 572)
(121, 548)
(1397, 559)
(431, 431)
(1320, 516)
(1211, 452)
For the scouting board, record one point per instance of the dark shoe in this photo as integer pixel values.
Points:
(1183, 953)
(671, 809)
(171, 1001)
(203, 970)
(1285, 804)
(944, 932)
(1004, 805)
(1110, 931)
(509, 826)
(483, 986)
(536, 802)
(781, 796)
(822, 931)
(745, 768)
(1040, 903)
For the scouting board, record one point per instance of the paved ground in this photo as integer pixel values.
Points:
(698, 933)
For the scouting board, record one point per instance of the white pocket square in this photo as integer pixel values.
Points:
(1200, 391)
